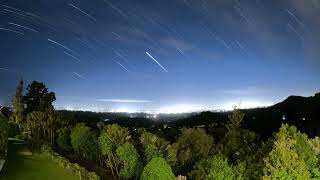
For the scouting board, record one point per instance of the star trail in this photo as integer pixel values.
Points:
(150, 55)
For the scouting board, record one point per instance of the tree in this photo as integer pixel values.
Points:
(304, 147)
(41, 126)
(236, 118)
(18, 105)
(50, 125)
(35, 127)
(128, 160)
(112, 137)
(155, 146)
(84, 142)
(283, 162)
(192, 145)
(215, 168)
(38, 98)
(239, 144)
(157, 169)
(64, 140)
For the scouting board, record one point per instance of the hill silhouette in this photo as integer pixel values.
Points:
(303, 112)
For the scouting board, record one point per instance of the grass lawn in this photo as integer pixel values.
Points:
(33, 167)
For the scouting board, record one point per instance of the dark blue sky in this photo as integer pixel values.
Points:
(167, 55)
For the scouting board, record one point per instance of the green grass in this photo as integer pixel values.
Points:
(34, 167)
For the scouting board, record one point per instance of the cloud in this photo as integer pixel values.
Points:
(124, 100)
(4, 69)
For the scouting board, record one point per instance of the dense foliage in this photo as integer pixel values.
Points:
(64, 140)
(156, 169)
(38, 98)
(3, 135)
(216, 167)
(293, 156)
(18, 104)
(112, 142)
(193, 145)
(128, 160)
(84, 142)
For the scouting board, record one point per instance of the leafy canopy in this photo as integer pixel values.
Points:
(38, 98)
(157, 169)
(129, 160)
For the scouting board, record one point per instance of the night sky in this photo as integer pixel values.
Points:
(161, 55)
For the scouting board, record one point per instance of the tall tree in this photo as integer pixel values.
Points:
(236, 118)
(41, 126)
(38, 98)
(35, 127)
(18, 105)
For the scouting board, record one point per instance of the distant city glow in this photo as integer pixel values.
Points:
(168, 109)
(245, 104)
(123, 110)
(180, 108)
(124, 100)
